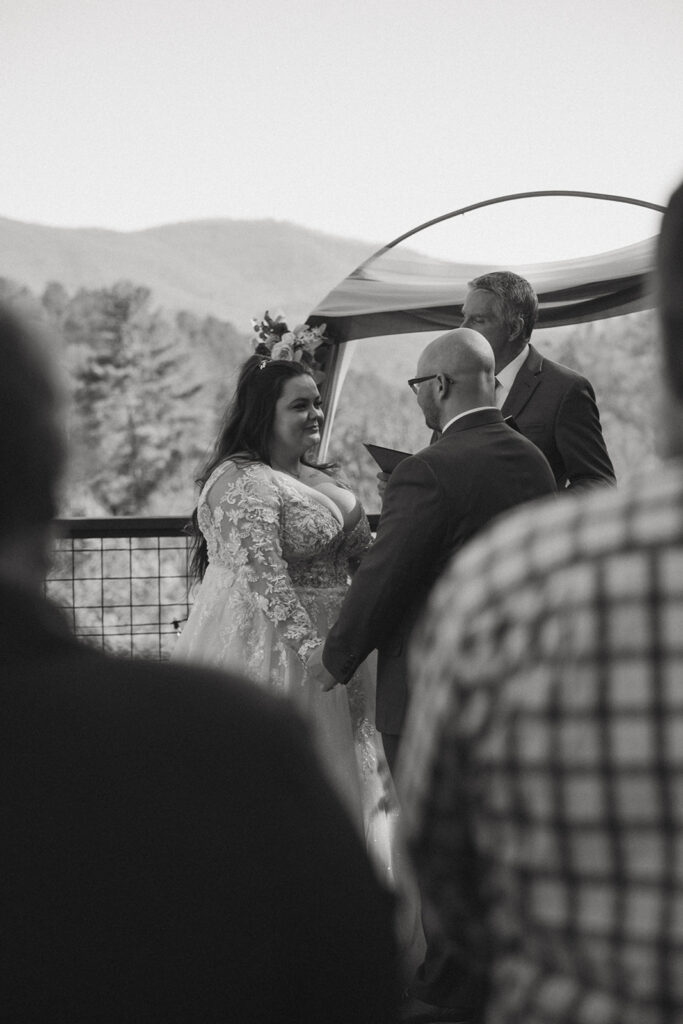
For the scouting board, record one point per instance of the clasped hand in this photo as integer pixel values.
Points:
(317, 671)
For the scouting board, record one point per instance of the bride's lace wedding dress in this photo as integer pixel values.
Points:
(279, 561)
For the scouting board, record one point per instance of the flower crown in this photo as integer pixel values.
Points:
(304, 344)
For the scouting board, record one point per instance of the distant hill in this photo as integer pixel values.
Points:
(154, 324)
(231, 269)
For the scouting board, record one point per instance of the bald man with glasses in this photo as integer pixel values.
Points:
(435, 501)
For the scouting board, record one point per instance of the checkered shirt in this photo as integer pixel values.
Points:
(542, 766)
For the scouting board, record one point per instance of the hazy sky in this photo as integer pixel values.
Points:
(357, 117)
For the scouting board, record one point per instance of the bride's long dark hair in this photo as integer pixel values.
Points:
(246, 431)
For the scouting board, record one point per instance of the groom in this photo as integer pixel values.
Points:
(434, 502)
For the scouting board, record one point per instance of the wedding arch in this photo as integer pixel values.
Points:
(402, 290)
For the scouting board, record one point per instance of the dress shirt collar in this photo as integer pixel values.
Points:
(506, 376)
(461, 414)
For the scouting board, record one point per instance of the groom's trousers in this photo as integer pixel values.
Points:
(438, 979)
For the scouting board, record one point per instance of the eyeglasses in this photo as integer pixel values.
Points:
(414, 381)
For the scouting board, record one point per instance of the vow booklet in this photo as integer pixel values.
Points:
(386, 458)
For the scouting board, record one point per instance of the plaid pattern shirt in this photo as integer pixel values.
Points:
(543, 761)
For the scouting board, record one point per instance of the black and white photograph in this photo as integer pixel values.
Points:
(341, 525)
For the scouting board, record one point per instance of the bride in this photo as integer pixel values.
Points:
(277, 537)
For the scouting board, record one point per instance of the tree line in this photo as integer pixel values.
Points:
(146, 388)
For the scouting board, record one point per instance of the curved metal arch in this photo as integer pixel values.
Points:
(509, 198)
(589, 303)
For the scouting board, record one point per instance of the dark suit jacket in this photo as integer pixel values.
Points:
(434, 502)
(555, 408)
(170, 851)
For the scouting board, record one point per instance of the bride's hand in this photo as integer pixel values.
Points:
(316, 670)
(327, 682)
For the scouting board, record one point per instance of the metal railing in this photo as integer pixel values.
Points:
(124, 582)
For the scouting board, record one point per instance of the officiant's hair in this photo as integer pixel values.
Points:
(32, 443)
(247, 428)
(515, 295)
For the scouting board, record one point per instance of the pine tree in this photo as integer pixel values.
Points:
(132, 392)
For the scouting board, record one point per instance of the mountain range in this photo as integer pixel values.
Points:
(222, 273)
(231, 269)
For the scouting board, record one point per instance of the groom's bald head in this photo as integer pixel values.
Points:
(461, 353)
(462, 362)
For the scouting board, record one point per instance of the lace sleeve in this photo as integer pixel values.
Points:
(245, 507)
(357, 542)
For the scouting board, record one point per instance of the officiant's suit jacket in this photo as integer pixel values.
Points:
(555, 408)
(433, 503)
(171, 851)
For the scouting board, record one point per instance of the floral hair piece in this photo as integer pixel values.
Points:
(303, 344)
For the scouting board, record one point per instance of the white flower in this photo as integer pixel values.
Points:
(307, 338)
(298, 345)
(282, 350)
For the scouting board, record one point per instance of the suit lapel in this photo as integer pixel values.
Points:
(525, 383)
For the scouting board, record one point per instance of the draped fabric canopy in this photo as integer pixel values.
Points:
(398, 291)
(401, 291)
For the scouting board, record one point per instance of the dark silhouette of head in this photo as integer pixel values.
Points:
(670, 293)
(32, 449)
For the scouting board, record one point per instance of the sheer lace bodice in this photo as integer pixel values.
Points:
(283, 520)
(279, 563)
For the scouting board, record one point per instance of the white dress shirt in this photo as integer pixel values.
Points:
(505, 378)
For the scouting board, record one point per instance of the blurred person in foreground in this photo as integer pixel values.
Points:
(543, 762)
(170, 849)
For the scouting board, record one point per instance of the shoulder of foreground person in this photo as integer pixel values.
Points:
(191, 814)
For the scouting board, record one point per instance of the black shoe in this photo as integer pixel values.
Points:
(414, 1011)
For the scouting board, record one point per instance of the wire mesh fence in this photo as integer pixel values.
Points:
(123, 583)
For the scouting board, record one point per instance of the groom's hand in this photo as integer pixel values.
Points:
(382, 479)
(317, 671)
